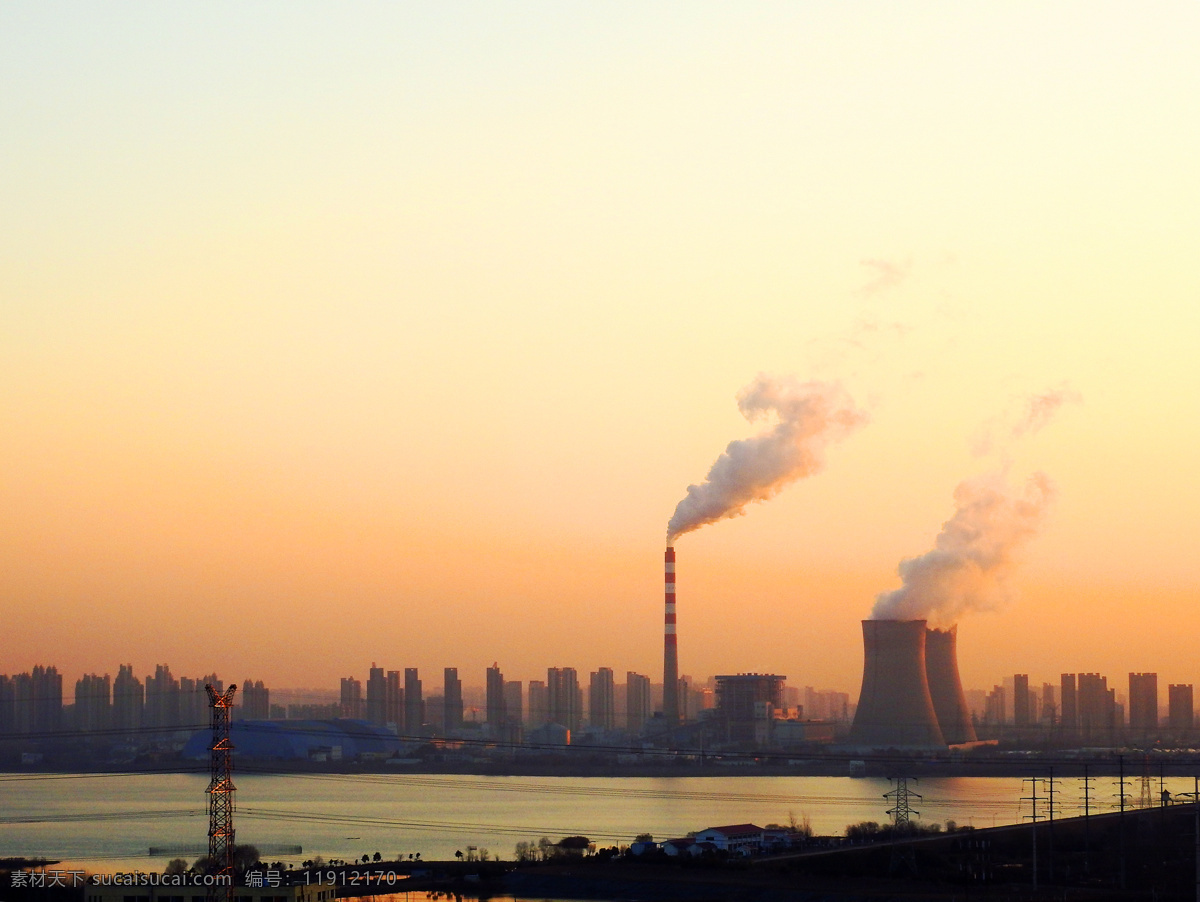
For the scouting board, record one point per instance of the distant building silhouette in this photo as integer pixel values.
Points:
(376, 695)
(1181, 716)
(496, 709)
(1049, 714)
(637, 701)
(93, 703)
(1143, 703)
(1097, 707)
(601, 700)
(453, 703)
(513, 709)
(352, 701)
(1068, 709)
(255, 700)
(162, 699)
(128, 700)
(566, 697)
(414, 703)
(539, 703)
(393, 702)
(996, 712)
(1021, 699)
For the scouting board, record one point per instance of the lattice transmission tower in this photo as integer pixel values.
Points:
(220, 793)
(902, 813)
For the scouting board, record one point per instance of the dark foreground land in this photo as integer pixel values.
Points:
(1149, 854)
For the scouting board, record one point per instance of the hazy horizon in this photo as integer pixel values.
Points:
(397, 333)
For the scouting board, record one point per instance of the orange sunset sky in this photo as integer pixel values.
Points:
(393, 333)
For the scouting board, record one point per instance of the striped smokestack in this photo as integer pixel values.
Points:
(670, 652)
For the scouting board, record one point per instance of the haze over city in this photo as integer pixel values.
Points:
(397, 333)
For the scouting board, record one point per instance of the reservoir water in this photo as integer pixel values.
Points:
(107, 822)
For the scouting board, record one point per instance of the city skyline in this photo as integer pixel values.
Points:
(398, 334)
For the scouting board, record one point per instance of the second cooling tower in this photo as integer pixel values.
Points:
(895, 708)
(945, 686)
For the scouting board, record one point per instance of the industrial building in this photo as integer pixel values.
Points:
(745, 701)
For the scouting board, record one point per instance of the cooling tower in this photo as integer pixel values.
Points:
(895, 709)
(945, 687)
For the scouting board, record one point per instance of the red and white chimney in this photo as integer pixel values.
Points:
(670, 649)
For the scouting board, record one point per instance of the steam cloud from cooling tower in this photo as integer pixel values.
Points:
(974, 553)
(811, 414)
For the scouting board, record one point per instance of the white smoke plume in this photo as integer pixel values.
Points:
(973, 555)
(811, 414)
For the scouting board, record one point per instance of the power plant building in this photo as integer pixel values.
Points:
(744, 699)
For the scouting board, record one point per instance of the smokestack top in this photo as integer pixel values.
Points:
(669, 557)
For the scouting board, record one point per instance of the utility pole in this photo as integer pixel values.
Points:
(1087, 820)
(1121, 819)
(901, 812)
(220, 795)
(1033, 798)
(1051, 812)
(1196, 829)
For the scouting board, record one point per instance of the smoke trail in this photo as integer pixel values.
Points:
(973, 554)
(1036, 413)
(1040, 409)
(755, 469)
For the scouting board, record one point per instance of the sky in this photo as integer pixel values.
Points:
(337, 334)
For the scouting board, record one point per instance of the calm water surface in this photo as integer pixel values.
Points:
(108, 823)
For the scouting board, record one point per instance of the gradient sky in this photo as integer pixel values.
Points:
(333, 334)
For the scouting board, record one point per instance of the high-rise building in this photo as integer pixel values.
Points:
(996, 712)
(162, 699)
(129, 698)
(1049, 715)
(513, 709)
(601, 704)
(566, 697)
(1096, 706)
(453, 704)
(8, 708)
(637, 701)
(495, 707)
(194, 711)
(255, 700)
(93, 702)
(1021, 699)
(1068, 709)
(352, 698)
(414, 703)
(539, 703)
(1143, 702)
(1180, 712)
(376, 695)
(393, 703)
